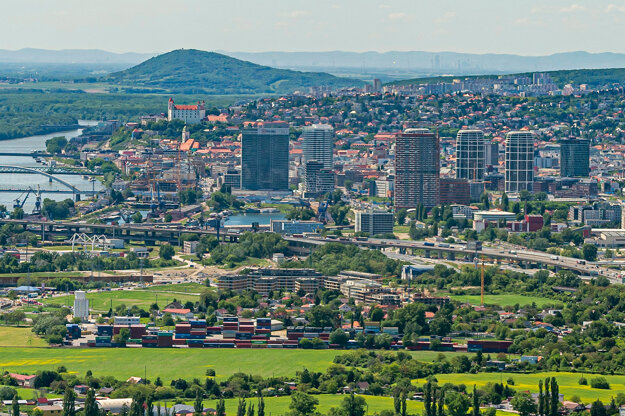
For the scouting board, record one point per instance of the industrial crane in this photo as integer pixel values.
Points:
(19, 203)
(37, 209)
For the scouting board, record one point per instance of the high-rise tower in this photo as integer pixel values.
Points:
(318, 142)
(265, 157)
(519, 161)
(417, 168)
(470, 155)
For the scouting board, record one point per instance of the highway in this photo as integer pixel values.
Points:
(171, 233)
(524, 255)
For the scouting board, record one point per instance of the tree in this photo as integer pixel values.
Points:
(589, 252)
(122, 337)
(250, 410)
(241, 408)
(427, 399)
(198, 406)
(476, 401)
(397, 402)
(261, 405)
(17, 214)
(338, 337)
(7, 393)
(541, 399)
(303, 404)
(56, 144)
(441, 403)
(457, 403)
(136, 407)
(403, 404)
(485, 201)
(339, 214)
(166, 251)
(91, 407)
(400, 216)
(377, 314)
(547, 397)
(15, 406)
(555, 397)
(524, 404)
(353, 405)
(598, 408)
(68, 403)
(220, 409)
(599, 383)
(137, 217)
(504, 202)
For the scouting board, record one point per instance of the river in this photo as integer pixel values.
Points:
(30, 144)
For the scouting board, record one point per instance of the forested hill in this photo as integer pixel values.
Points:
(592, 77)
(193, 71)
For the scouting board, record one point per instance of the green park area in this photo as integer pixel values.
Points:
(162, 295)
(568, 382)
(505, 300)
(19, 337)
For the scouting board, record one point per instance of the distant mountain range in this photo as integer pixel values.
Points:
(427, 63)
(194, 71)
(70, 56)
(432, 63)
(191, 71)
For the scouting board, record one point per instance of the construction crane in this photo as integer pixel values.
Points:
(19, 203)
(322, 211)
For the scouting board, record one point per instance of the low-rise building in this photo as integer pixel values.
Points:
(294, 226)
(374, 222)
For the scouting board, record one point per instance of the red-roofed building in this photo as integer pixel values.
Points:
(24, 380)
(182, 313)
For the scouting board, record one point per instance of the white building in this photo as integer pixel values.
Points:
(318, 142)
(519, 170)
(81, 305)
(190, 114)
(470, 155)
(127, 320)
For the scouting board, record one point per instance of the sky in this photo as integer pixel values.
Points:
(524, 27)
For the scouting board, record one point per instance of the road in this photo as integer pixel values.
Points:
(524, 255)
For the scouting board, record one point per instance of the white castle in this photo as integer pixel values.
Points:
(190, 114)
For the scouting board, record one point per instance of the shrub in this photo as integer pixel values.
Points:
(599, 383)
(582, 381)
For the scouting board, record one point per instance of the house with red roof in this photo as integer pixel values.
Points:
(179, 313)
(24, 380)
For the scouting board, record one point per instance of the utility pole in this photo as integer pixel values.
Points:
(482, 282)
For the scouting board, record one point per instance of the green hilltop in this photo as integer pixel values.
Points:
(193, 71)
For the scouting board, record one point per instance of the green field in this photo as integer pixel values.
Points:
(173, 363)
(11, 336)
(505, 300)
(143, 298)
(568, 383)
(166, 363)
(280, 405)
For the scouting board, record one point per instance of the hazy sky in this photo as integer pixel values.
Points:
(527, 27)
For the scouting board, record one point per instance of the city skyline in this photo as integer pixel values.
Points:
(323, 26)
